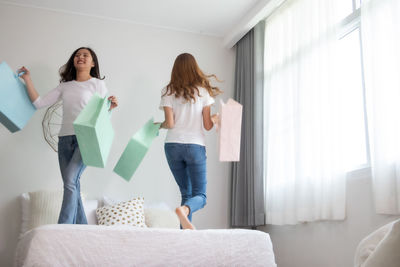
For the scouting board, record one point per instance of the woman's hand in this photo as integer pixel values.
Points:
(114, 102)
(159, 123)
(215, 119)
(25, 73)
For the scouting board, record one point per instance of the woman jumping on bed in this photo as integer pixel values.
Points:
(186, 102)
(80, 79)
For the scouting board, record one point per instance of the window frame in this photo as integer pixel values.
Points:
(349, 24)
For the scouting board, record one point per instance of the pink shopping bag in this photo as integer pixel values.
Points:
(230, 126)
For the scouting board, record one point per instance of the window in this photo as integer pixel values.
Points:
(290, 50)
(315, 129)
(319, 77)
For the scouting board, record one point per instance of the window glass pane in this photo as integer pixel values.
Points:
(351, 80)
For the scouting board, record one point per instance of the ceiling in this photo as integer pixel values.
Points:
(210, 17)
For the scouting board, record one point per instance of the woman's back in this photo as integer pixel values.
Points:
(188, 117)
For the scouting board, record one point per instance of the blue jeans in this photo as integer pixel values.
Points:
(71, 166)
(188, 165)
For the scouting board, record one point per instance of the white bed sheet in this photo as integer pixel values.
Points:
(94, 245)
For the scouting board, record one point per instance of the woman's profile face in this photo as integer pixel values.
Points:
(83, 60)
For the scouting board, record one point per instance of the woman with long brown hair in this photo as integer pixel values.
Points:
(186, 102)
(80, 79)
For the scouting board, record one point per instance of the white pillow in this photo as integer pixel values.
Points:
(124, 213)
(387, 252)
(160, 216)
(108, 201)
(90, 206)
(26, 212)
(43, 207)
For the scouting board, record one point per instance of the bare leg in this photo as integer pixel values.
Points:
(183, 212)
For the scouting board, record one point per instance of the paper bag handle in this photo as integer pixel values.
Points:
(109, 105)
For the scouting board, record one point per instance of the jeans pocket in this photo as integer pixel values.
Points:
(197, 153)
(173, 151)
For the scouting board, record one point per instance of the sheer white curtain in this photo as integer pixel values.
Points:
(305, 113)
(380, 25)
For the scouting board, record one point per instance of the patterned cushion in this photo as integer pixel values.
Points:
(125, 213)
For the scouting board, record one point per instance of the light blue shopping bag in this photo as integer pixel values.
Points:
(15, 106)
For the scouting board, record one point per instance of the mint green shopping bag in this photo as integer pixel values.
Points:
(94, 132)
(136, 150)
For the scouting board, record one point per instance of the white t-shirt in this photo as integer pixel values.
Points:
(75, 95)
(188, 117)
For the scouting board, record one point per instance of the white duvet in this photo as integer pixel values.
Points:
(94, 245)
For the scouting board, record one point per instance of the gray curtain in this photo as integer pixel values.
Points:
(247, 196)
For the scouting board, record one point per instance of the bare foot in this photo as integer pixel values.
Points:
(183, 212)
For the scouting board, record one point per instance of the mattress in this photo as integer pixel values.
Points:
(95, 245)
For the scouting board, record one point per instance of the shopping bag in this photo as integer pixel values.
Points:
(136, 149)
(94, 131)
(230, 126)
(15, 106)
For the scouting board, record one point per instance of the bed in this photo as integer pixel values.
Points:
(97, 245)
(152, 238)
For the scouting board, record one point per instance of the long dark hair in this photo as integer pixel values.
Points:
(68, 71)
(186, 76)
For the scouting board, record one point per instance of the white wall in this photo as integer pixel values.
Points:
(137, 61)
(329, 244)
